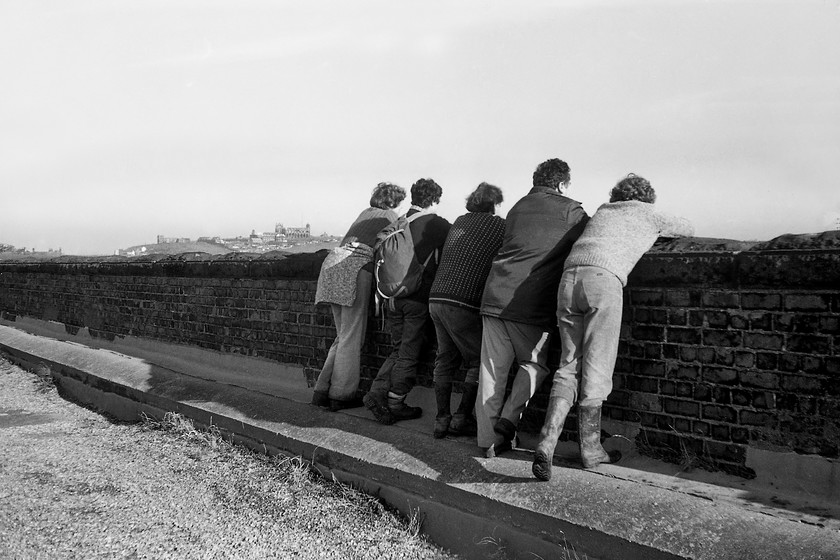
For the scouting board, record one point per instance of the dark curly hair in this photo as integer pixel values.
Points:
(484, 198)
(551, 173)
(387, 196)
(425, 192)
(633, 187)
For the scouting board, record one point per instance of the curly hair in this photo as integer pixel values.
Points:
(484, 198)
(425, 192)
(387, 196)
(633, 187)
(551, 173)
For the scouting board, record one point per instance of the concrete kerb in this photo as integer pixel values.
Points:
(469, 524)
(473, 506)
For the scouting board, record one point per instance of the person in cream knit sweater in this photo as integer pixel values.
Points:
(589, 313)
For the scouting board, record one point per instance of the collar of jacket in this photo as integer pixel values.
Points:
(546, 190)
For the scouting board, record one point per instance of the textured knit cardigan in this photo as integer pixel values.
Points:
(473, 241)
(619, 234)
(339, 271)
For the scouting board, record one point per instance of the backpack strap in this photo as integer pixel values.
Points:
(416, 215)
(432, 254)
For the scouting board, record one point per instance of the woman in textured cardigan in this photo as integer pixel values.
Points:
(346, 283)
(589, 313)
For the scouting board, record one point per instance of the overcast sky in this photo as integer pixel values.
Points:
(122, 120)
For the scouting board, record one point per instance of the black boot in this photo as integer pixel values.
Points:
(463, 421)
(377, 403)
(592, 453)
(443, 395)
(321, 398)
(555, 417)
(401, 411)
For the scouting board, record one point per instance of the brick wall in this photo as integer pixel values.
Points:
(254, 307)
(720, 350)
(753, 358)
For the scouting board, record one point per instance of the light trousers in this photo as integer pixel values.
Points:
(503, 342)
(589, 319)
(340, 375)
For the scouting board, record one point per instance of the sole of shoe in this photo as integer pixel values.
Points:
(541, 467)
(381, 413)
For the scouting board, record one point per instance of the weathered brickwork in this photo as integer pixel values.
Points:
(719, 350)
(256, 308)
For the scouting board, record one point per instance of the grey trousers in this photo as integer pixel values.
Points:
(502, 342)
(340, 375)
(589, 317)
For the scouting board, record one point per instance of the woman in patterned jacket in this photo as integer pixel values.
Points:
(346, 283)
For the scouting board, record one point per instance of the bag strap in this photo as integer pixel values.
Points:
(414, 216)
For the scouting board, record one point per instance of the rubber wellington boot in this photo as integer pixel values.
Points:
(592, 453)
(463, 422)
(555, 417)
(443, 395)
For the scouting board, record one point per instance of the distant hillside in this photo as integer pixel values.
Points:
(176, 248)
(218, 249)
(30, 256)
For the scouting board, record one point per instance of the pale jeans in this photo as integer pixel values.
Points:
(340, 375)
(589, 312)
(502, 342)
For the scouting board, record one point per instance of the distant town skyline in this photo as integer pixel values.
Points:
(193, 118)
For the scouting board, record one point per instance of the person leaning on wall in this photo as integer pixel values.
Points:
(346, 283)
(589, 312)
(454, 302)
(519, 302)
(410, 314)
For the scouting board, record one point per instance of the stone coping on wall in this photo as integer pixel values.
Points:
(276, 264)
(802, 260)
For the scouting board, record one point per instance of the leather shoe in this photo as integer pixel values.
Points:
(321, 398)
(505, 428)
(462, 425)
(377, 403)
(403, 411)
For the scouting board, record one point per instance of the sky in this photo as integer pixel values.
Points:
(124, 120)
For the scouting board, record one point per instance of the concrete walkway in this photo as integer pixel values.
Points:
(474, 506)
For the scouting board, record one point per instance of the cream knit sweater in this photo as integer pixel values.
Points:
(619, 234)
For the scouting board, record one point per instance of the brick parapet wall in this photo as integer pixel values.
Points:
(719, 350)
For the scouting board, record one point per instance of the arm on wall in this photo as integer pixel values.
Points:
(674, 226)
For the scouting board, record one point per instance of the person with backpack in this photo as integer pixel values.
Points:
(346, 284)
(407, 256)
(519, 302)
(454, 302)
